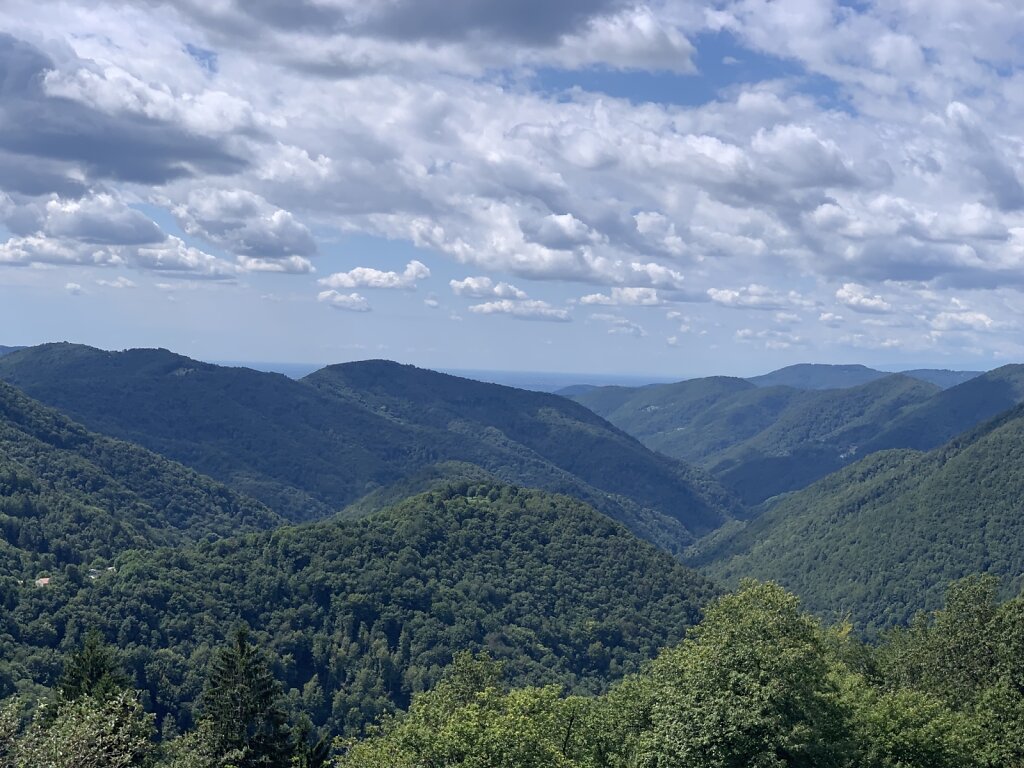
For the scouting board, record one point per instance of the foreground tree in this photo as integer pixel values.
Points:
(242, 719)
(92, 670)
(113, 732)
(750, 687)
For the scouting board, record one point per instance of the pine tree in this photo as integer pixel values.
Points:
(92, 670)
(242, 710)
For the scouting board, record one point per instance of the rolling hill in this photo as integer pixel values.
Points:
(69, 497)
(882, 538)
(760, 441)
(371, 610)
(312, 447)
(818, 376)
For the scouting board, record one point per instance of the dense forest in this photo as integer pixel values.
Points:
(882, 538)
(441, 572)
(365, 613)
(310, 448)
(757, 683)
(781, 432)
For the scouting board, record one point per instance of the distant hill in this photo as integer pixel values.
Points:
(941, 377)
(823, 376)
(368, 612)
(818, 376)
(7, 350)
(310, 448)
(882, 538)
(71, 497)
(953, 411)
(759, 441)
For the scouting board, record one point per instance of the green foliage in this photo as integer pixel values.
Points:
(757, 683)
(469, 720)
(749, 687)
(760, 441)
(241, 707)
(69, 497)
(882, 539)
(92, 670)
(283, 441)
(113, 732)
(362, 614)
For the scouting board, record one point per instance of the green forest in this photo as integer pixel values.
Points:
(758, 682)
(383, 566)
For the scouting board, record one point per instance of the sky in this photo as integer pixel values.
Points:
(657, 188)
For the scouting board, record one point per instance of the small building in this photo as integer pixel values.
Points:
(43, 582)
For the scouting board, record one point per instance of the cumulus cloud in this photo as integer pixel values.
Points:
(885, 167)
(74, 289)
(245, 224)
(858, 298)
(119, 283)
(368, 277)
(626, 297)
(523, 310)
(484, 287)
(350, 302)
(756, 296)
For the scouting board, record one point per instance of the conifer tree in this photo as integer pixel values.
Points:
(92, 670)
(242, 710)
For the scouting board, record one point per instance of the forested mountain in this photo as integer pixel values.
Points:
(942, 377)
(310, 448)
(954, 410)
(822, 376)
(7, 350)
(759, 441)
(363, 613)
(818, 376)
(881, 539)
(69, 497)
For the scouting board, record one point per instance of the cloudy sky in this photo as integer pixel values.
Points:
(674, 188)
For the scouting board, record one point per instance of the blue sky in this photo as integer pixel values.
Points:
(650, 188)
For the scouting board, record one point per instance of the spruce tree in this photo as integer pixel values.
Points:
(92, 670)
(242, 710)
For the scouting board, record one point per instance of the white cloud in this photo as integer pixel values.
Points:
(626, 297)
(367, 277)
(756, 296)
(858, 298)
(351, 302)
(619, 325)
(74, 289)
(484, 287)
(119, 283)
(962, 321)
(523, 310)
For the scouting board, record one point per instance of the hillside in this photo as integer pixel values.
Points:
(954, 410)
(369, 611)
(760, 441)
(942, 377)
(818, 376)
(7, 350)
(310, 448)
(881, 539)
(69, 497)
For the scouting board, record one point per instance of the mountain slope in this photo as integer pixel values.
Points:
(942, 377)
(69, 497)
(373, 609)
(761, 441)
(954, 410)
(7, 350)
(818, 376)
(310, 448)
(882, 538)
